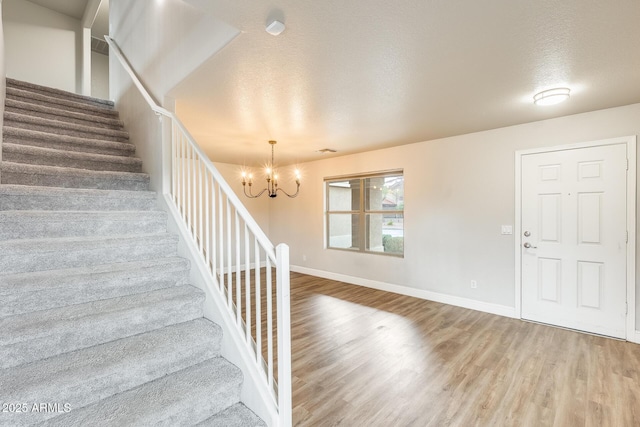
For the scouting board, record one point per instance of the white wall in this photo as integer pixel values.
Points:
(99, 75)
(144, 127)
(458, 192)
(42, 46)
(165, 41)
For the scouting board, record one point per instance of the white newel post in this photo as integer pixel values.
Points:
(284, 335)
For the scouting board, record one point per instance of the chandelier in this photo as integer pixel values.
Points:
(272, 181)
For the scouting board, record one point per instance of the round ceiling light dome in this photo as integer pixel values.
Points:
(551, 96)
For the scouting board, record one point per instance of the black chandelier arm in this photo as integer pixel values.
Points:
(251, 196)
(290, 195)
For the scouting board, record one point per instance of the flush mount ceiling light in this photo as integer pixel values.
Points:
(275, 28)
(551, 96)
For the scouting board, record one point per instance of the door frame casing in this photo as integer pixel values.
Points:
(630, 142)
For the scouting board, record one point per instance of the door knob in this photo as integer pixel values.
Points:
(527, 245)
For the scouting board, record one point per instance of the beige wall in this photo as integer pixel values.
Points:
(42, 46)
(99, 75)
(458, 193)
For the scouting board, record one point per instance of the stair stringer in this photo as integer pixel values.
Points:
(234, 347)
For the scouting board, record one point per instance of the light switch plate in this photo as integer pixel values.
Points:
(507, 229)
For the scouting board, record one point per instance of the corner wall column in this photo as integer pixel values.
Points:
(88, 18)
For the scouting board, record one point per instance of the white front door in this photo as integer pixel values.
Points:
(573, 238)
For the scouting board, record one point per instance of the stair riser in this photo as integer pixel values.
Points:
(53, 93)
(96, 373)
(92, 133)
(60, 104)
(90, 121)
(113, 149)
(68, 161)
(39, 340)
(20, 229)
(18, 302)
(71, 257)
(70, 181)
(74, 202)
(184, 398)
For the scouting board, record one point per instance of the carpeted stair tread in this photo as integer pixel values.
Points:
(22, 224)
(41, 334)
(237, 415)
(17, 153)
(25, 197)
(183, 398)
(43, 290)
(58, 93)
(20, 256)
(25, 121)
(14, 135)
(63, 104)
(55, 176)
(51, 113)
(83, 377)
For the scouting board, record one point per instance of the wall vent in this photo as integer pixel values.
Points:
(99, 46)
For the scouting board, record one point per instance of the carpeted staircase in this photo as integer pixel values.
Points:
(98, 323)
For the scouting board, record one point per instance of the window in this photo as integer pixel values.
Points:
(366, 213)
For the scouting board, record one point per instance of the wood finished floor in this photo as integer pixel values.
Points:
(363, 357)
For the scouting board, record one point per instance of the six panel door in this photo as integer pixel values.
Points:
(573, 238)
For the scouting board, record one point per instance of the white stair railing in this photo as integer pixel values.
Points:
(241, 261)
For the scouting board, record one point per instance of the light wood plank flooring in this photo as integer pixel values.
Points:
(363, 357)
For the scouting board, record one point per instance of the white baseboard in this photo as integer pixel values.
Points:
(635, 338)
(500, 310)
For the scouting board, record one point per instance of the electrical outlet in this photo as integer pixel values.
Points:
(474, 284)
(304, 257)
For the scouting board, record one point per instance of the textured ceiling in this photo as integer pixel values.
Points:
(363, 74)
